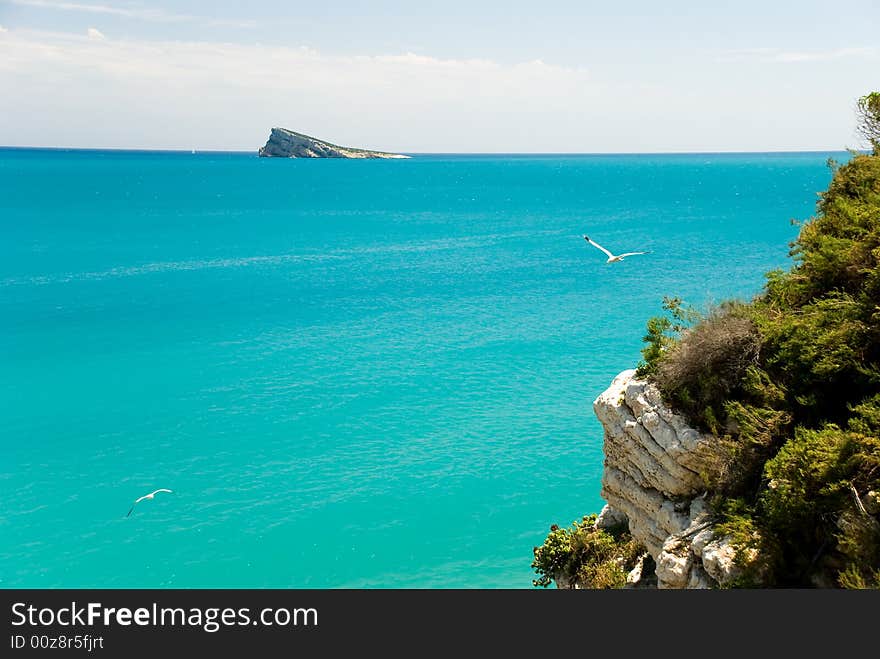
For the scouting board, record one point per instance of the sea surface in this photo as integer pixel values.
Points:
(350, 373)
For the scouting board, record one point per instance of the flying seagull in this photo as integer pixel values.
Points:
(147, 496)
(611, 257)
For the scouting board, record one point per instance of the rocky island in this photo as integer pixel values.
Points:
(285, 143)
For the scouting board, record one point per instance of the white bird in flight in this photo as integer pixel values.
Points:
(147, 496)
(611, 257)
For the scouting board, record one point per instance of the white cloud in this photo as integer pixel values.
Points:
(142, 14)
(3, 29)
(776, 55)
(95, 34)
(234, 93)
(209, 95)
(821, 56)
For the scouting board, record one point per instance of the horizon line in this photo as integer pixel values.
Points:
(434, 153)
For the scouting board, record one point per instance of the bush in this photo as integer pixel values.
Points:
(837, 249)
(663, 332)
(814, 500)
(701, 371)
(586, 556)
(755, 432)
(757, 554)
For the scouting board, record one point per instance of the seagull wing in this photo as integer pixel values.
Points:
(139, 499)
(162, 490)
(632, 254)
(129, 511)
(597, 245)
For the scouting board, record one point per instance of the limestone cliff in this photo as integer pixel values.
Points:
(652, 481)
(285, 143)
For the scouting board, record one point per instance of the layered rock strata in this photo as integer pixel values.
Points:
(285, 143)
(653, 482)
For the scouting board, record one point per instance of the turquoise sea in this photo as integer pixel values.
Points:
(350, 373)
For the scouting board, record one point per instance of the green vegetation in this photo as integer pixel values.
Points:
(591, 557)
(790, 385)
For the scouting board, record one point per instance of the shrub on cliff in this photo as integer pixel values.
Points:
(702, 370)
(586, 556)
(663, 332)
(820, 476)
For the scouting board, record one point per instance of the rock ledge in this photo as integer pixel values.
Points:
(652, 480)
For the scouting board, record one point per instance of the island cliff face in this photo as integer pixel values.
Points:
(285, 143)
(652, 482)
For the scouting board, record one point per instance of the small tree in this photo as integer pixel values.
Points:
(868, 111)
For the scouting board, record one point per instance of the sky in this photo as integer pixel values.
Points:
(458, 76)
